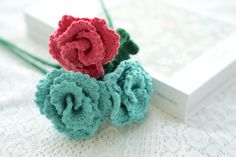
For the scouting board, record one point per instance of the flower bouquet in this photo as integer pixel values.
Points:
(96, 80)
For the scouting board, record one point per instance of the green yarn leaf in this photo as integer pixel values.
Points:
(127, 47)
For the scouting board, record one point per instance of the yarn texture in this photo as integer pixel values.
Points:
(131, 90)
(100, 81)
(84, 45)
(72, 102)
(127, 47)
(77, 104)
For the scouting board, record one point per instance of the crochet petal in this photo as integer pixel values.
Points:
(135, 91)
(105, 104)
(96, 53)
(95, 71)
(72, 31)
(43, 88)
(65, 22)
(54, 50)
(109, 37)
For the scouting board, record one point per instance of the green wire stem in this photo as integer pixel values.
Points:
(9, 44)
(21, 55)
(108, 17)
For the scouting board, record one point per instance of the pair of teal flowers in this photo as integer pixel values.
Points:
(77, 104)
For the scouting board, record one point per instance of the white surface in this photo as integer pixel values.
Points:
(24, 132)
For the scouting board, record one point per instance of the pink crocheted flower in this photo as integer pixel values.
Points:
(84, 45)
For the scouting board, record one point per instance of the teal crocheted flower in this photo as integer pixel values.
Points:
(131, 90)
(74, 102)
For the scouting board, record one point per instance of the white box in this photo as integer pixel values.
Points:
(180, 94)
(190, 57)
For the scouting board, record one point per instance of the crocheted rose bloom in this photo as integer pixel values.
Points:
(73, 102)
(84, 45)
(131, 90)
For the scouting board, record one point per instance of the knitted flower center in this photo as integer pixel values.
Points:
(69, 98)
(72, 101)
(83, 45)
(85, 49)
